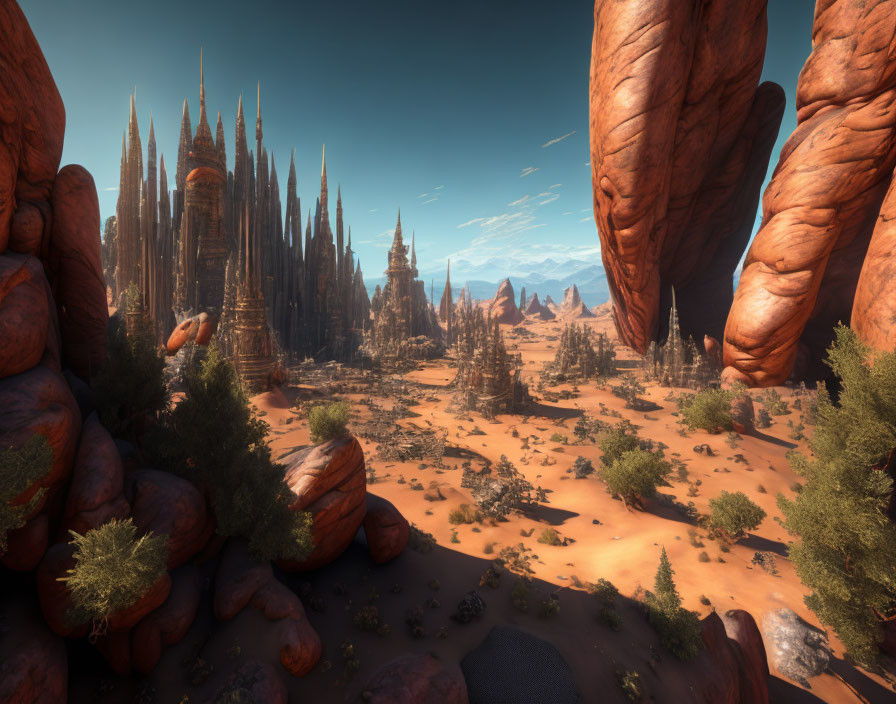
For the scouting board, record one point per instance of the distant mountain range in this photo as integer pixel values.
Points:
(548, 277)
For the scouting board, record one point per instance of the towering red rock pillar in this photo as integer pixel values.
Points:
(681, 133)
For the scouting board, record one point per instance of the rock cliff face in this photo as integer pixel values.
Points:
(503, 307)
(681, 133)
(811, 264)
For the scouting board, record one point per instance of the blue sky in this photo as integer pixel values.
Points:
(471, 116)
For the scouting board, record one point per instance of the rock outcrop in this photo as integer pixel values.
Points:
(572, 306)
(415, 679)
(328, 480)
(503, 307)
(24, 313)
(732, 667)
(385, 528)
(535, 309)
(798, 649)
(681, 133)
(33, 662)
(811, 264)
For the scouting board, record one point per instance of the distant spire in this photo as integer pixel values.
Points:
(201, 88)
(413, 250)
(184, 148)
(258, 133)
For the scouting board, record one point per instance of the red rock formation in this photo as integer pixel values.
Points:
(169, 623)
(386, 529)
(182, 334)
(25, 546)
(168, 505)
(753, 663)
(33, 662)
(55, 598)
(503, 306)
(742, 414)
(329, 481)
(415, 679)
(800, 276)
(681, 134)
(96, 493)
(75, 269)
(32, 128)
(535, 309)
(241, 582)
(572, 306)
(733, 668)
(24, 313)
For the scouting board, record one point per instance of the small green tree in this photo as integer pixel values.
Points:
(678, 628)
(847, 549)
(19, 469)
(113, 569)
(734, 514)
(328, 421)
(615, 442)
(709, 410)
(635, 475)
(130, 389)
(211, 438)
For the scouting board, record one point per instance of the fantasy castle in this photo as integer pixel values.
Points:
(224, 247)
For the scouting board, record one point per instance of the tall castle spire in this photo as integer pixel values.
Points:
(184, 148)
(323, 180)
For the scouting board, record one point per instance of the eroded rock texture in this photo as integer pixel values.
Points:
(681, 133)
(822, 206)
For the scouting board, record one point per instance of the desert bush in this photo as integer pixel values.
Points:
(19, 469)
(615, 442)
(549, 606)
(113, 569)
(763, 418)
(708, 410)
(464, 514)
(774, 403)
(502, 492)
(519, 593)
(130, 389)
(733, 514)
(846, 552)
(225, 452)
(678, 628)
(558, 438)
(328, 421)
(635, 475)
(630, 683)
(630, 390)
(550, 537)
(420, 540)
(581, 468)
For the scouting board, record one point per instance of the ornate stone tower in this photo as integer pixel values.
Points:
(203, 240)
(399, 284)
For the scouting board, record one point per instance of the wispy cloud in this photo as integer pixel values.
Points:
(470, 222)
(543, 194)
(557, 139)
(587, 210)
(111, 188)
(373, 210)
(518, 202)
(430, 200)
(585, 220)
(568, 212)
(439, 188)
(423, 195)
(556, 185)
(528, 170)
(548, 200)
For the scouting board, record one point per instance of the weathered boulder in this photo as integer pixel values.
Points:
(753, 662)
(511, 665)
(503, 307)
(75, 270)
(169, 623)
(731, 669)
(254, 682)
(329, 481)
(681, 133)
(165, 504)
(26, 546)
(55, 597)
(240, 582)
(799, 650)
(819, 212)
(24, 313)
(207, 326)
(96, 493)
(386, 529)
(415, 679)
(185, 332)
(39, 401)
(32, 128)
(33, 662)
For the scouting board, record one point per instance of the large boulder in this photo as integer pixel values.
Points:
(743, 414)
(741, 628)
(165, 504)
(511, 665)
(75, 270)
(242, 582)
(731, 669)
(32, 129)
(96, 493)
(25, 546)
(386, 530)
(33, 662)
(415, 679)
(801, 275)
(681, 134)
(503, 307)
(329, 481)
(169, 623)
(24, 313)
(799, 650)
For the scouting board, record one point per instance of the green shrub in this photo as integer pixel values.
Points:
(464, 514)
(635, 475)
(775, 404)
(225, 452)
(615, 442)
(630, 683)
(113, 569)
(733, 514)
(420, 540)
(19, 469)
(130, 389)
(678, 628)
(558, 438)
(846, 553)
(709, 410)
(329, 421)
(550, 537)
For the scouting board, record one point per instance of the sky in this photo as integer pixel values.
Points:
(471, 116)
